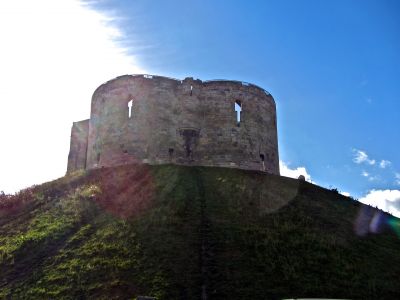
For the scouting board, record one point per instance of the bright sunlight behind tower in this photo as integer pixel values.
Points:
(53, 55)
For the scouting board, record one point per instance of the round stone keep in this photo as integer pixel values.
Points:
(158, 120)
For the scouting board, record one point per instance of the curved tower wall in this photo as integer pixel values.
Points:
(182, 122)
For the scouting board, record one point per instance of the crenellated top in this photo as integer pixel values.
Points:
(173, 82)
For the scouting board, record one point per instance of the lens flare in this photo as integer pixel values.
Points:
(126, 191)
(394, 223)
(361, 225)
(378, 222)
(372, 220)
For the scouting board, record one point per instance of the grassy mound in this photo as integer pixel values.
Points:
(177, 232)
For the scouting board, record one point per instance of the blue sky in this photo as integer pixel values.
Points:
(333, 68)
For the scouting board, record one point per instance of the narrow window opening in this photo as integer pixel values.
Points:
(191, 90)
(98, 157)
(130, 104)
(238, 109)
(262, 162)
(170, 151)
(125, 151)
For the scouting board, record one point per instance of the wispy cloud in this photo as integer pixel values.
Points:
(362, 157)
(397, 178)
(285, 170)
(374, 178)
(372, 166)
(370, 176)
(384, 163)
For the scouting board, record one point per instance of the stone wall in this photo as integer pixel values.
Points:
(182, 122)
(78, 146)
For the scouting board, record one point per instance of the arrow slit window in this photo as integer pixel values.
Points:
(238, 110)
(130, 104)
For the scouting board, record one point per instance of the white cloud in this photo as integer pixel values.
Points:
(384, 163)
(294, 173)
(387, 200)
(365, 174)
(373, 178)
(359, 156)
(397, 176)
(53, 55)
(369, 176)
(362, 157)
(345, 194)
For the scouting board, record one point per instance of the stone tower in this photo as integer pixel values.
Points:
(159, 120)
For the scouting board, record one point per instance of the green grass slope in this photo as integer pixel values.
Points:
(177, 232)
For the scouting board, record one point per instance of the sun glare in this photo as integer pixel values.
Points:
(54, 54)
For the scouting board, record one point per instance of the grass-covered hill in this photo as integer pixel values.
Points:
(177, 232)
